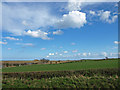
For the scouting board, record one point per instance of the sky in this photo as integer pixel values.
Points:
(59, 30)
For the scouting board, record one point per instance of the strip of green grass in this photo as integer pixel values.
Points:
(65, 66)
(63, 82)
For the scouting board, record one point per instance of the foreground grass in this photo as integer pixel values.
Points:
(89, 64)
(94, 78)
(63, 82)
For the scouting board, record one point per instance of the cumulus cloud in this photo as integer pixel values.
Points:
(60, 54)
(58, 32)
(12, 38)
(37, 34)
(40, 16)
(106, 16)
(116, 42)
(37, 17)
(56, 53)
(84, 54)
(92, 12)
(74, 5)
(20, 17)
(3, 42)
(74, 19)
(51, 54)
(89, 53)
(47, 56)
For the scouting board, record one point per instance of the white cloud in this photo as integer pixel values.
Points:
(60, 54)
(113, 19)
(3, 42)
(89, 54)
(65, 51)
(75, 51)
(73, 43)
(20, 17)
(78, 4)
(84, 54)
(106, 16)
(92, 12)
(74, 19)
(43, 48)
(116, 42)
(104, 53)
(47, 56)
(12, 38)
(56, 53)
(51, 54)
(37, 34)
(58, 32)
(74, 5)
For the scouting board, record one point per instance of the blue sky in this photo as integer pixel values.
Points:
(59, 30)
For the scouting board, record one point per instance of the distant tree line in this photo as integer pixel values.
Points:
(43, 60)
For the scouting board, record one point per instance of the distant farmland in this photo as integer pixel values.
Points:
(87, 64)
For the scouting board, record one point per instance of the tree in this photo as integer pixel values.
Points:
(7, 64)
(44, 60)
(106, 58)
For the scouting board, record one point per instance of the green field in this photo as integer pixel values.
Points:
(85, 74)
(94, 78)
(87, 64)
(81, 81)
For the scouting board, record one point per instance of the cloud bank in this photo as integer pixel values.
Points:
(32, 20)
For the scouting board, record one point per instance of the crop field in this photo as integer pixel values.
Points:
(85, 64)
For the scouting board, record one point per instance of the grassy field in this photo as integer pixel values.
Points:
(64, 82)
(88, 64)
(85, 74)
(94, 78)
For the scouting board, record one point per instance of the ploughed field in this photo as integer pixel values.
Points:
(84, 65)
